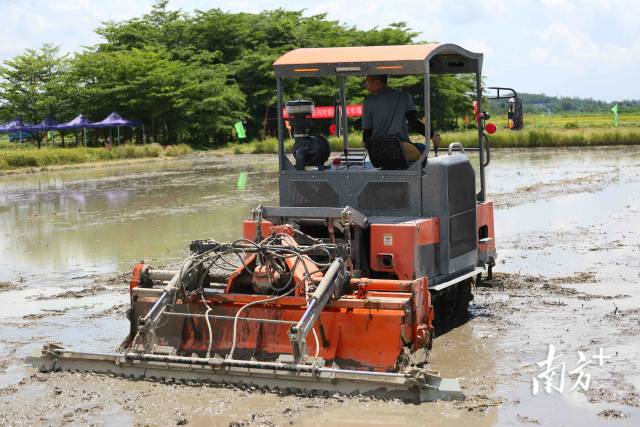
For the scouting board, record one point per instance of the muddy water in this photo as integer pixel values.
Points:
(568, 233)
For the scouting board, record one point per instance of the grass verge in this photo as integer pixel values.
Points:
(548, 138)
(23, 158)
(503, 138)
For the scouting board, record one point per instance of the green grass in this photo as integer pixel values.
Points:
(270, 145)
(12, 158)
(572, 121)
(541, 130)
(526, 138)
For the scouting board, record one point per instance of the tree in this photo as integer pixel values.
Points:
(189, 77)
(248, 44)
(32, 84)
(176, 101)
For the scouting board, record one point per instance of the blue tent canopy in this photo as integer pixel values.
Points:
(79, 122)
(115, 120)
(16, 125)
(46, 124)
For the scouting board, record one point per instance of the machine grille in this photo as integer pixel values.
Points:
(462, 229)
(461, 188)
(313, 194)
(381, 197)
(461, 192)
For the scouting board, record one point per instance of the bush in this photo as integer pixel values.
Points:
(176, 150)
(268, 146)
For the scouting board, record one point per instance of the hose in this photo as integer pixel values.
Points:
(206, 316)
(315, 337)
(235, 320)
(272, 254)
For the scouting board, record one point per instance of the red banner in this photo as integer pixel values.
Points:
(353, 110)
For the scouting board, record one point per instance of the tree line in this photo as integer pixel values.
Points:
(540, 103)
(190, 76)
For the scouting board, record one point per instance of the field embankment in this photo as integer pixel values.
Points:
(527, 138)
(32, 157)
(548, 138)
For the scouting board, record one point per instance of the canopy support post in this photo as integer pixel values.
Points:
(345, 119)
(427, 108)
(480, 196)
(427, 119)
(280, 102)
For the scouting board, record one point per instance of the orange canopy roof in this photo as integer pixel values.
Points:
(337, 55)
(404, 59)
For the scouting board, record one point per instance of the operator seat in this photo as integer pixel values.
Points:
(389, 153)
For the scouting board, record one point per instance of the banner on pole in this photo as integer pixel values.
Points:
(615, 115)
(327, 112)
(240, 130)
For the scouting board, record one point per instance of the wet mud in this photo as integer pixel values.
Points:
(546, 190)
(8, 286)
(568, 274)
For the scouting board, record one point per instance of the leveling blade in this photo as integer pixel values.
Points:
(416, 386)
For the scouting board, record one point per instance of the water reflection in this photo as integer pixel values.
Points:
(105, 220)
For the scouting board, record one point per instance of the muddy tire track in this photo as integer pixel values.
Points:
(547, 190)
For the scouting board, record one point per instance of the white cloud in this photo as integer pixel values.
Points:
(571, 41)
(558, 4)
(475, 45)
(539, 54)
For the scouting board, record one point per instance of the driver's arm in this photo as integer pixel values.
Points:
(367, 124)
(418, 126)
(414, 122)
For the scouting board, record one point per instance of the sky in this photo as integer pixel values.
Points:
(584, 48)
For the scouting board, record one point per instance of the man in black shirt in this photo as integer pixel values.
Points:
(390, 112)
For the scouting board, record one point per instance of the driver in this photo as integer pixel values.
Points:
(390, 112)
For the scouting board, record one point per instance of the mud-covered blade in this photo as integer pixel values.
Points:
(419, 386)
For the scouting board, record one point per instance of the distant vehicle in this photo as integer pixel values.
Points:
(15, 136)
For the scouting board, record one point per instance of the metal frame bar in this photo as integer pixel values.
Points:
(498, 89)
(217, 316)
(421, 386)
(459, 279)
(356, 217)
(427, 118)
(280, 102)
(481, 196)
(345, 119)
(150, 295)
